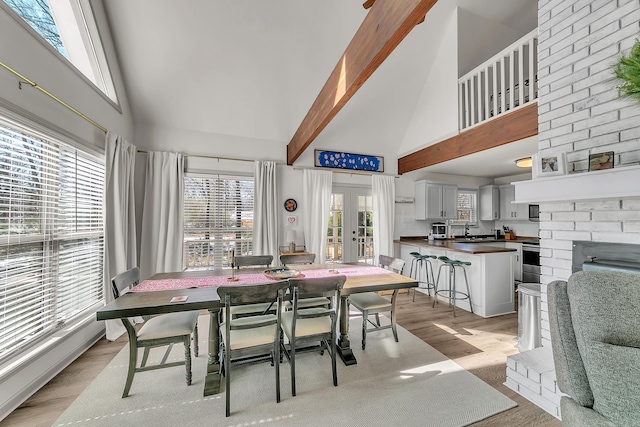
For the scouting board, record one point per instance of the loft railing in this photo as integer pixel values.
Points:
(498, 85)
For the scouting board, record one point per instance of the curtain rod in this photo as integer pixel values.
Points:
(49, 94)
(347, 173)
(204, 156)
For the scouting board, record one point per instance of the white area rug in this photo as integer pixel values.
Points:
(394, 384)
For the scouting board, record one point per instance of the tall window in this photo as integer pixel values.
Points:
(70, 28)
(467, 207)
(51, 235)
(218, 220)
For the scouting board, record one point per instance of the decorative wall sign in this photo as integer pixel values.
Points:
(601, 161)
(290, 205)
(341, 160)
(292, 221)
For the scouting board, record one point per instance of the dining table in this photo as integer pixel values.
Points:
(197, 290)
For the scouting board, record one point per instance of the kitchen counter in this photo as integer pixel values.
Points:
(490, 274)
(458, 245)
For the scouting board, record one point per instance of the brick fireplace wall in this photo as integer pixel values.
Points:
(580, 113)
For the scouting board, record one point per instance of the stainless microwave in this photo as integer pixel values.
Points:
(534, 213)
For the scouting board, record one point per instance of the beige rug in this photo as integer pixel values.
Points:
(394, 384)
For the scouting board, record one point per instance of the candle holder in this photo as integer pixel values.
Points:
(233, 278)
(333, 270)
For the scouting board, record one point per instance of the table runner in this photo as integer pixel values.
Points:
(243, 279)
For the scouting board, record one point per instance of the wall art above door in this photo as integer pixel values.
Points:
(342, 160)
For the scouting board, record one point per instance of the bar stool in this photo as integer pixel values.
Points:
(452, 293)
(417, 263)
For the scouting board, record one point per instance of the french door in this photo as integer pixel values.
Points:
(350, 231)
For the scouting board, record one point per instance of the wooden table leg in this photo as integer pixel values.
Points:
(212, 380)
(344, 345)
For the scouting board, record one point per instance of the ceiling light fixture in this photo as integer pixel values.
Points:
(524, 162)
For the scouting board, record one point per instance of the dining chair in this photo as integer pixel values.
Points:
(309, 300)
(297, 259)
(157, 331)
(251, 261)
(308, 325)
(252, 335)
(373, 303)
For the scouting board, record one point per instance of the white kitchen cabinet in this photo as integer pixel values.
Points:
(436, 200)
(489, 202)
(509, 210)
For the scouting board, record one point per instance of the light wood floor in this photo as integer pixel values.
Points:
(479, 345)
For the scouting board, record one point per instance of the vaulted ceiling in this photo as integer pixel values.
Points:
(254, 68)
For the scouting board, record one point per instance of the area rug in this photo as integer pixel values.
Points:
(407, 383)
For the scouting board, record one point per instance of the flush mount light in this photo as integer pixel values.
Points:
(524, 162)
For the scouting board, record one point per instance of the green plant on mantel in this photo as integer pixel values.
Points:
(627, 72)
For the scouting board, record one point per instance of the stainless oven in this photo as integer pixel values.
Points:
(530, 263)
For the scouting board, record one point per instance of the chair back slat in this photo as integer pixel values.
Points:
(297, 259)
(253, 261)
(390, 263)
(125, 280)
(325, 286)
(251, 294)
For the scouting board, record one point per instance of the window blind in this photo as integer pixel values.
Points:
(51, 235)
(467, 208)
(218, 220)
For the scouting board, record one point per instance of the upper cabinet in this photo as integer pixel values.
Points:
(489, 203)
(436, 200)
(509, 210)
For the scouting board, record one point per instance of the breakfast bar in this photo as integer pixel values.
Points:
(491, 273)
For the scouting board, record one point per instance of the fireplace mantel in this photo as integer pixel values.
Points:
(620, 183)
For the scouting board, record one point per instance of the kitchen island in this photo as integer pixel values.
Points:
(491, 273)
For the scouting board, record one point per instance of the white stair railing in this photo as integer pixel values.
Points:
(498, 85)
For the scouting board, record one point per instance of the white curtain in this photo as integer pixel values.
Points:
(316, 203)
(383, 189)
(119, 217)
(265, 208)
(162, 217)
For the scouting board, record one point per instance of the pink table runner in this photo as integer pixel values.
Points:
(201, 282)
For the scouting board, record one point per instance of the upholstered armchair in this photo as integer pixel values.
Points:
(595, 336)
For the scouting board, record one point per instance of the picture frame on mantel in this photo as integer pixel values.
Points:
(600, 161)
(548, 164)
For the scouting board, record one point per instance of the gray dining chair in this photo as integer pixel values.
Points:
(251, 335)
(249, 261)
(157, 331)
(297, 259)
(310, 325)
(373, 303)
(252, 261)
(302, 259)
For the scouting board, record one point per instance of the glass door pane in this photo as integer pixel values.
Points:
(365, 229)
(335, 231)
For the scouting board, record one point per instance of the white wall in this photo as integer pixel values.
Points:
(436, 115)
(479, 39)
(23, 52)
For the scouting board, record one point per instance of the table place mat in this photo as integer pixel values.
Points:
(244, 279)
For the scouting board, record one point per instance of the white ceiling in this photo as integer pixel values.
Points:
(253, 68)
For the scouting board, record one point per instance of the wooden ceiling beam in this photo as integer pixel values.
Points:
(387, 23)
(514, 126)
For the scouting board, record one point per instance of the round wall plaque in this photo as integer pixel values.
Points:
(290, 205)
